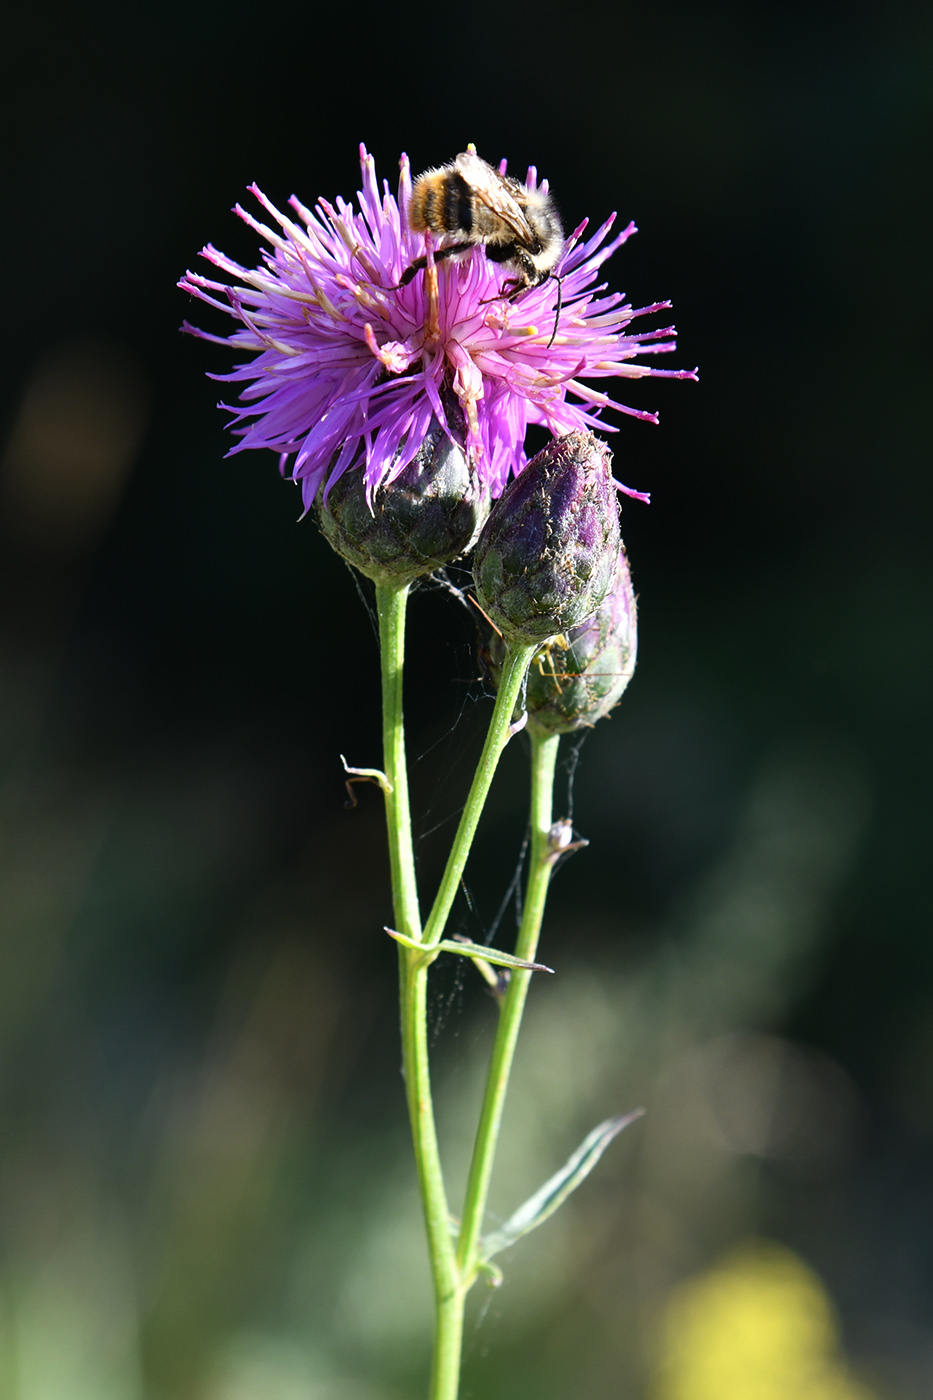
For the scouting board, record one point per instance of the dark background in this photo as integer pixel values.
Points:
(205, 1189)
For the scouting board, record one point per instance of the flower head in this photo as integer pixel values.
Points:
(351, 366)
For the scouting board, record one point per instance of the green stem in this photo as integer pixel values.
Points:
(391, 604)
(448, 1293)
(450, 1286)
(413, 976)
(500, 731)
(449, 1290)
(543, 762)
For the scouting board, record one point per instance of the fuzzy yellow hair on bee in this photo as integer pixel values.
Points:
(473, 205)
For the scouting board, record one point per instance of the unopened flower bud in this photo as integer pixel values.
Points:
(548, 551)
(427, 516)
(579, 676)
(576, 684)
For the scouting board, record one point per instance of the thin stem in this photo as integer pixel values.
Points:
(500, 731)
(391, 604)
(448, 1292)
(413, 976)
(543, 761)
(448, 1281)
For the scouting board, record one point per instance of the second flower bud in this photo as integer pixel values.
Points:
(547, 554)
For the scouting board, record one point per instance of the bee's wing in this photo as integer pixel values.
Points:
(490, 189)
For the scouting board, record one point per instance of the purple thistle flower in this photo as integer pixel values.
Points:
(350, 366)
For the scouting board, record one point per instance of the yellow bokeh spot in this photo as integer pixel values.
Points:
(757, 1326)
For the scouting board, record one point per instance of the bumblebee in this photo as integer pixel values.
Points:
(469, 202)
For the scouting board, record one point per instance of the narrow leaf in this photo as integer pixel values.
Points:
(466, 949)
(405, 941)
(494, 980)
(555, 1191)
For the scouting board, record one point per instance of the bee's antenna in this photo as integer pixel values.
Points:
(560, 302)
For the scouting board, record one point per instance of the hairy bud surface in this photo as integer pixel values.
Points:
(577, 679)
(424, 518)
(547, 554)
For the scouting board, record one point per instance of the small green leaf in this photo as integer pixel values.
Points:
(465, 949)
(364, 775)
(555, 1191)
(494, 1276)
(494, 980)
(405, 941)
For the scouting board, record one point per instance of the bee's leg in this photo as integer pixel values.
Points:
(421, 263)
(451, 249)
(408, 275)
(516, 285)
(508, 291)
